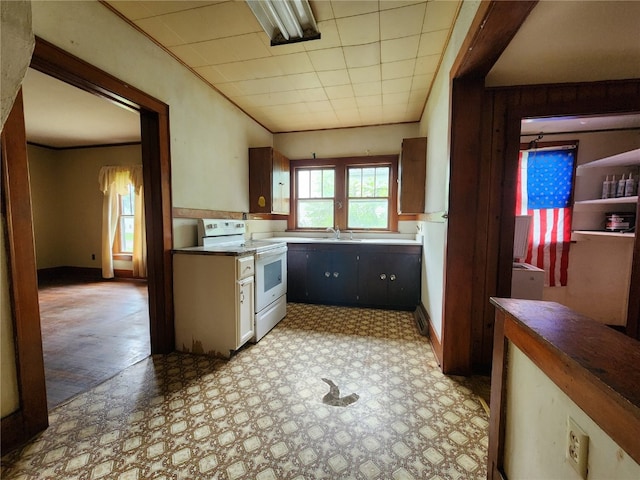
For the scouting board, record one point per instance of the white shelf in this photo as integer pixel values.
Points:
(625, 159)
(609, 201)
(600, 233)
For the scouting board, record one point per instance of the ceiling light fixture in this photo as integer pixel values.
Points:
(285, 21)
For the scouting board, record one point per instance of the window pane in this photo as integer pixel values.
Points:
(328, 183)
(127, 202)
(382, 182)
(316, 183)
(315, 213)
(303, 183)
(355, 182)
(126, 234)
(368, 182)
(368, 214)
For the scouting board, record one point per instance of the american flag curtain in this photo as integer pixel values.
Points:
(545, 179)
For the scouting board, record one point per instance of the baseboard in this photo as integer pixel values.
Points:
(89, 273)
(61, 272)
(423, 317)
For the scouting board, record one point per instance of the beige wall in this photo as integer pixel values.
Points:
(535, 432)
(345, 142)
(599, 267)
(435, 126)
(67, 202)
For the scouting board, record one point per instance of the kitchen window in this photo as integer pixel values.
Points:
(354, 193)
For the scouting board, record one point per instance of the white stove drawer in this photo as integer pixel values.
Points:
(245, 267)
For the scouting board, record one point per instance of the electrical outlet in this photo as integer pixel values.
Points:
(577, 448)
(93, 256)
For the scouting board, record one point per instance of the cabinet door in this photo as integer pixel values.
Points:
(260, 184)
(344, 277)
(412, 175)
(404, 280)
(372, 280)
(296, 275)
(332, 277)
(281, 182)
(245, 324)
(319, 277)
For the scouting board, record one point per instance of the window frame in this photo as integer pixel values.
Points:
(340, 166)
(117, 243)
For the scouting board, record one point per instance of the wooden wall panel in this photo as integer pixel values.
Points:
(508, 106)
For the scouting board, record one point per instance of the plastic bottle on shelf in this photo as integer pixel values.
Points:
(613, 186)
(621, 186)
(630, 187)
(606, 185)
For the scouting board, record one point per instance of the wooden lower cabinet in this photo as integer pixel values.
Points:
(380, 276)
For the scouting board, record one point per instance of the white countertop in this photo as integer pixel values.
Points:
(345, 240)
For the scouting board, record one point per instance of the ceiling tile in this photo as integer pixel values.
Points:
(389, 4)
(342, 104)
(301, 81)
(274, 98)
(415, 109)
(422, 81)
(321, 10)
(329, 37)
(349, 8)
(212, 75)
(432, 43)
(214, 21)
(401, 22)
(294, 63)
(335, 77)
(367, 89)
(399, 49)
(264, 85)
(370, 101)
(141, 9)
(189, 55)
(232, 49)
(362, 55)
(238, 71)
(161, 32)
(428, 64)
(340, 91)
(365, 74)
(321, 106)
(329, 59)
(403, 68)
(313, 95)
(397, 85)
(440, 15)
(396, 98)
(229, 90)
(359, 30)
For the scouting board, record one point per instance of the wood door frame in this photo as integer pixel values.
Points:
(154, 122)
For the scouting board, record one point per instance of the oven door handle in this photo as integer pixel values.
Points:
(271, 253)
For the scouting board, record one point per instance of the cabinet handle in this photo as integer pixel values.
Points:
(383, 276)
(327, 274)
(241, 297)
(335, 274)
(392, 277)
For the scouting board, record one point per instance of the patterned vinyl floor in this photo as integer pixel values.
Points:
(383, 411)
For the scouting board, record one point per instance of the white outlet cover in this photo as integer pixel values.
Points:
(577, 451)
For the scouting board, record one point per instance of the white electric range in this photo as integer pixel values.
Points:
(228, 290)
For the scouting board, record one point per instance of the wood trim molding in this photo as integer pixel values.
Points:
(23, 285)
(180, 212)
(433, 336)
(492, 29)
(595, 366)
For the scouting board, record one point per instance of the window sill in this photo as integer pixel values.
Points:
(126, 257)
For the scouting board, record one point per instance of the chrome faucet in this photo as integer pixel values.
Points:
(336, 232)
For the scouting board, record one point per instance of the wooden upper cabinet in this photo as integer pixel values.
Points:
(412, 171)
(269, 181)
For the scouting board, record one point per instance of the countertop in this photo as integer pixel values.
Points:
(347, 240)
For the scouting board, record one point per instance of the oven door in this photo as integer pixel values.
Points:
(271, 276)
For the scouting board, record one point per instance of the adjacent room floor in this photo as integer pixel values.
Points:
(91, 330)
(330, 393)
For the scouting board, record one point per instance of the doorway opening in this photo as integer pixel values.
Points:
(92, 327)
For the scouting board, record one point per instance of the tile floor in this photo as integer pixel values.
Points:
(267, 413)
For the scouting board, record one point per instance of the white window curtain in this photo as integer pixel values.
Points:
(114, 181)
